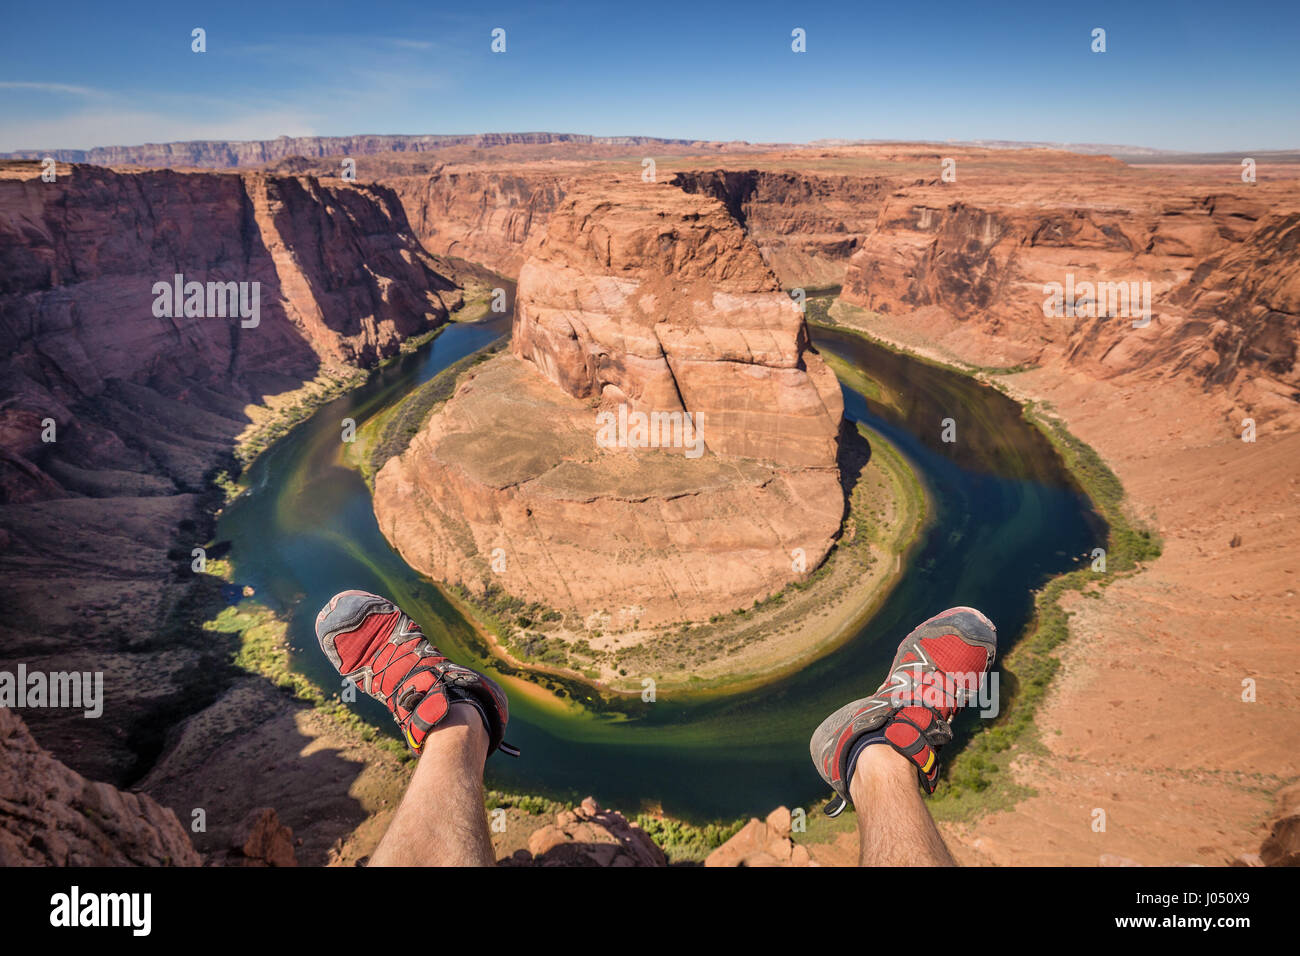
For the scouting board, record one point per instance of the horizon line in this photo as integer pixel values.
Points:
(596, 138)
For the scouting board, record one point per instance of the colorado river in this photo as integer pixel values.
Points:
(1006, 517)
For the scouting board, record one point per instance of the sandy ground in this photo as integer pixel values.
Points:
(1146, 720)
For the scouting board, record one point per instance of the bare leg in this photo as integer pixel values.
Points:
(441, 820)
(894, 827)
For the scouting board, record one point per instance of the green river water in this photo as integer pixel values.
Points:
(1006, 517)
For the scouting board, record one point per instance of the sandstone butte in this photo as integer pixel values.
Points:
(643, 296)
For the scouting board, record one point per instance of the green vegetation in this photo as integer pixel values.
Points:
(228, 486)
(304, 401)
(531, 805)
(854, 377)
(264, 650)
(909, 497)
(819, 828)
(1129, 542)
(502, 615)
(520, 626)
(389, 432)
(824, 316)
(976, 778)
(687, 842)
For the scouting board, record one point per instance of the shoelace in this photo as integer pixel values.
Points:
(411, 698)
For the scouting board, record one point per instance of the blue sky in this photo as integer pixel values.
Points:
(1194, 75)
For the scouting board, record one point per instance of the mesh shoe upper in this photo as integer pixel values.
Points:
(372, 642)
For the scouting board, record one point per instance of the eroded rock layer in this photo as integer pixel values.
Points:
(807, 226)
(640, 299)
(113, 417)
(485, 205)
(53, 816)
(485, 215)
(1202, 287)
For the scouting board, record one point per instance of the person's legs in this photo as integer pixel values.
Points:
(894, 827)
(441, 819)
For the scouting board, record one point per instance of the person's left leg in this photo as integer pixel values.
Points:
(441, 820)
(451, 716)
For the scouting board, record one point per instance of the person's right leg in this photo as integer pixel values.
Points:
(894, 827)
(441, 820)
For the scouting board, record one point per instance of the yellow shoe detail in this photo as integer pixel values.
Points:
(410, 740)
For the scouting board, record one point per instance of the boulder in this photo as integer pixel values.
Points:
(589, 836)
(762, 843)
(262, 840)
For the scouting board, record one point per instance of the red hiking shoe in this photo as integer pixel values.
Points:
(373, 643)
(937, 668)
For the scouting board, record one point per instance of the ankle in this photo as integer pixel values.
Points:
(878, 763)
(468, 714)
(463, 729)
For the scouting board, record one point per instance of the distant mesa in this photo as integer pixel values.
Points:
(226, 154)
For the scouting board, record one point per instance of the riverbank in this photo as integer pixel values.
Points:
(280, 413)
(388, 432)
(1105, 730)
(976, 778)
(887, 511)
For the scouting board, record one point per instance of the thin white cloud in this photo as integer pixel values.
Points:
(362, 84)
(65, 88)
(84, 130)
